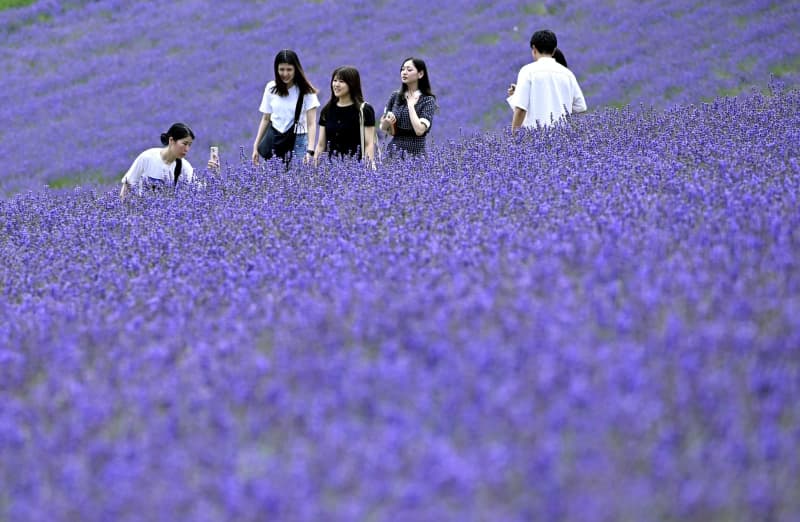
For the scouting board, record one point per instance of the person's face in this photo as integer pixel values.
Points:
(340, 87)
(180, 147)
(286, 73)
(409, 73)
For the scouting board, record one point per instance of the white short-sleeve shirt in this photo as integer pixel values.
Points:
(281, 108)
(148, 169)
(546, 89)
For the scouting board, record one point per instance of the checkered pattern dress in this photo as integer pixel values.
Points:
(409, 144)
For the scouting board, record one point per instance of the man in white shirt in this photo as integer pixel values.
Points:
(546, 91)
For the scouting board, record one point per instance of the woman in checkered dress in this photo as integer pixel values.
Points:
(409, 113)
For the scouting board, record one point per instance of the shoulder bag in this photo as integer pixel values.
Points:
(363, 136)
(389, 108)
(178, 168)
(281, 144)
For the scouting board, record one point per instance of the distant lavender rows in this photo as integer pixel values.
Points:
(598, 322)
(94, 83)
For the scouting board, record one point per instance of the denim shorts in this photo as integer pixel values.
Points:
(300, 147)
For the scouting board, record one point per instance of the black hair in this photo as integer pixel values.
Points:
(177, 131)
(544, 41)
(424, 82)
(290, 57)
(352, 78)
(560, 58)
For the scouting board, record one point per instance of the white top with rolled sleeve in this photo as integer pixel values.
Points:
(281, 108)
(149, 169)
(547, 91)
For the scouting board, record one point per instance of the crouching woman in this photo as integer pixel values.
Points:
(161, 167)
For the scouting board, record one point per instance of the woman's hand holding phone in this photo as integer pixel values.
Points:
(213, 160)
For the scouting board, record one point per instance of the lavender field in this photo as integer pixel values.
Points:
(594, 322)
(607, 329)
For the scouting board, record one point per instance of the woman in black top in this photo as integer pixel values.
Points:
(340, 122)
(409, 113)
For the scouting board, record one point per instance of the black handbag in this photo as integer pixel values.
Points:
(281, 144)
(178, 168)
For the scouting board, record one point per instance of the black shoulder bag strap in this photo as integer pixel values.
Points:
(297, 109)
(178, 166)
(293, 139)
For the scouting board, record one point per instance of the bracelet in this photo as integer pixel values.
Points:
(310, 152)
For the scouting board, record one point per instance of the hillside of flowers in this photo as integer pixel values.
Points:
(88, 85)
(596, 322)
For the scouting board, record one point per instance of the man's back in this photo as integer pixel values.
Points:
(547, 90)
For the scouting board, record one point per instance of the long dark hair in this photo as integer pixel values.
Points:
(177, 131)
(560, 58)
(352, 78)
(424, 83)
(290, 57)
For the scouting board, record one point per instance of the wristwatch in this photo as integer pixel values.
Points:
(310, 152)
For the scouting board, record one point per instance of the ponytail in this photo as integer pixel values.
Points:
(177, 131)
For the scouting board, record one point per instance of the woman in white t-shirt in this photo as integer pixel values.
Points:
(279, 102)
(156, 168)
